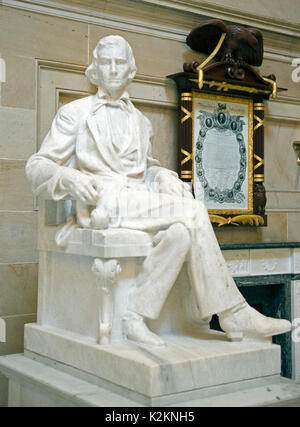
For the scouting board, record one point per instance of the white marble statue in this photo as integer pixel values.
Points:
(98, 152)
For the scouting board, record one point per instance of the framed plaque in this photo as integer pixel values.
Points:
(223, 153)
(221, 140)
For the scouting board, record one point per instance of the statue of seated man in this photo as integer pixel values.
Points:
(98, 152)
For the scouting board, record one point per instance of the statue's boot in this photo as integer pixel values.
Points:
(135, 329)
(245, 320)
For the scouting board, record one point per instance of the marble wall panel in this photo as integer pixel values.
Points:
(276, 230)
(15, 333)
(288, 10)
(286, 199)
(272, 261)
(281, 170)
(165, 139)
(15, 190)
(283, 109)
(18, 289)
(18, 133)
(296, 261)
(237, 235)
(18, 237)
(19, 88)
(293, 226)
(35, 35)
(238, 262)
(160, 92)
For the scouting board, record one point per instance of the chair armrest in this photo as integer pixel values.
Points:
(55, 212)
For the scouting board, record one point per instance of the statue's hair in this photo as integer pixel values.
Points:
(92, 71)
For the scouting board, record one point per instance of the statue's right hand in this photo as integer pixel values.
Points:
(80, 186)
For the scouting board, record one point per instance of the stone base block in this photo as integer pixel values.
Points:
(152, 375)
(38, 384)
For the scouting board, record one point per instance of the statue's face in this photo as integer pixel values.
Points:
(114, 69)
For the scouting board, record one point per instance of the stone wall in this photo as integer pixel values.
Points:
(41, 38)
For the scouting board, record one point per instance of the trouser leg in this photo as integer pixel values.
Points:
(188, 235)
(214, 287)
(160, 270)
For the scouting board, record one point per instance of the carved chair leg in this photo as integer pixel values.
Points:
(106, 272)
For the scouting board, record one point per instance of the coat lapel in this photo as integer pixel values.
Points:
(92, 125)
(99, 128)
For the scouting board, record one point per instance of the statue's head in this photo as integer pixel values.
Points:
(113, 66)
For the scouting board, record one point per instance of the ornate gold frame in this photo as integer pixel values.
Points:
(227, 98)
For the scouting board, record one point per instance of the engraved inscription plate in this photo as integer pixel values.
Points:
(221, 151)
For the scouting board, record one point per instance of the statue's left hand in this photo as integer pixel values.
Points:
(170, 184)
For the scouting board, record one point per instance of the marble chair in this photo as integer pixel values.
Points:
(85, 281)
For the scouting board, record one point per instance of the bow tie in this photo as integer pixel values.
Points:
(123, 103)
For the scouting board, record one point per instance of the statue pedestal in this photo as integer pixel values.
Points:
(63, 369)
(155, 375)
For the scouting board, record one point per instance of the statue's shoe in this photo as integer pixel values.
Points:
(135, 329)
(247, 321)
